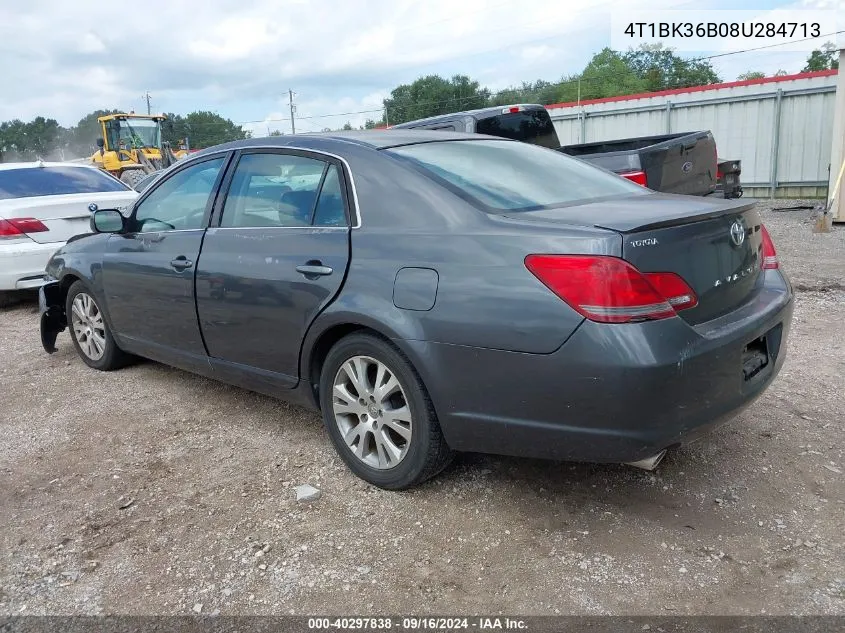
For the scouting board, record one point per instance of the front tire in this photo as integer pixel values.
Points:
(378, 414)
(132, 176)
(89, 331)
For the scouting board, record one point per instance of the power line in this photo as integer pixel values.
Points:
(511, 89)
(581, 79)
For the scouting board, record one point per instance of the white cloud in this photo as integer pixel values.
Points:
(533, 53)
(239, 57)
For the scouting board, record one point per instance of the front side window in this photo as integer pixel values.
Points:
(283, 190)
(180, 201)
(55, 181)
(510, 176)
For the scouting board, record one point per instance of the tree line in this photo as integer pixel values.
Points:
(44, 138)
(609, 73)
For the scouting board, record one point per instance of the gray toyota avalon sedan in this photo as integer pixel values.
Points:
(432, 292)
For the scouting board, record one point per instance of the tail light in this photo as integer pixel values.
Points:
(638, 177)
(609, 289)
(512, 109)
(770, 256)
(19, 227)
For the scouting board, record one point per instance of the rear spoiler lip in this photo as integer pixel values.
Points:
(722, 210)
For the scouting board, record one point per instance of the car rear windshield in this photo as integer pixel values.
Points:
(31, 182)
(508, 176)
(528, 126)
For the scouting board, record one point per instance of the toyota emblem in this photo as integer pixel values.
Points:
(738, 233)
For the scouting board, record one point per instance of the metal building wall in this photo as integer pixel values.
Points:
(790, 118)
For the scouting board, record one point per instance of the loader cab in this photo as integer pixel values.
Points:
(130, 146)
(128, 132)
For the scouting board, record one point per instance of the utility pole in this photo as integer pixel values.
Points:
(292, 110)
(147, 97)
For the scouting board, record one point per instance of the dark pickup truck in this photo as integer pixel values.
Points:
(674, 163)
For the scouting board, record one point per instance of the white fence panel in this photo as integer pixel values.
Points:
(780, 129)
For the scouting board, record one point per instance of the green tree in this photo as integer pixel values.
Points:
(80, 140)
(347, 126)
(825, 58)
(661, 69)
(369, 124)
(432, 95)
(751, 74)
(29, 141)
(209, 128)
(276, 133)
(608, 74)
(174, 130)
(540, 91)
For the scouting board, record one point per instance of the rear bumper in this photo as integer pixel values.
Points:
(611, 393)
(22, 263)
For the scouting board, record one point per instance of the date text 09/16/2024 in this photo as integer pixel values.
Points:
(422, 623)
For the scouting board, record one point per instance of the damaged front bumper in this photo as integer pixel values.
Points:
(51, 305)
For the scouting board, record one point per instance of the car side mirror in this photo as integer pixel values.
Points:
(107, 221)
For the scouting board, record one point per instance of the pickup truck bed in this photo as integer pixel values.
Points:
(672, 163)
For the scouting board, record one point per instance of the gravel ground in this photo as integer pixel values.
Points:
(150, 490)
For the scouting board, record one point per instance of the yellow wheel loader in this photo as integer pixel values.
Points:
(131, 147)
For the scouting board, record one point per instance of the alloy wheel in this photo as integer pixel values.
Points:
(88, 326)
(372, 412)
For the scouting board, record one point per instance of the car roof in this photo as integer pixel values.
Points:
(479, 113)
(376, 139)
(36, 164)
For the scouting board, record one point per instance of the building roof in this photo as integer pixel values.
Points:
(678, 91)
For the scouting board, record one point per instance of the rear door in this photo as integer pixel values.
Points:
(275, 256)
(58, 199)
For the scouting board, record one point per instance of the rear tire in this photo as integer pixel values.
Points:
(89, 331)
(379, 415)
(132, 176)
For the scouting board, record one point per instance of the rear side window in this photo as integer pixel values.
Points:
(507, 176)
(283, 190)
(54, 181)
(330, 204)
(528, 126)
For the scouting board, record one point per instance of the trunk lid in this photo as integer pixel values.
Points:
(714, 245)
(63, 215)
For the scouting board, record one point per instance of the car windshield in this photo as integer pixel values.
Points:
(511, 176)
(139, 133)
(54, 181)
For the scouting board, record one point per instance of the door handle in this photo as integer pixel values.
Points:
(314, 269)
(181, 263)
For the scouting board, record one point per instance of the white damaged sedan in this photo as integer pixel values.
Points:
(42, 205)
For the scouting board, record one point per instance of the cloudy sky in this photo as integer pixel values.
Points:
(239, 57)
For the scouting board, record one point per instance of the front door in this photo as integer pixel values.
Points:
(148, 274)
(276, 258)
